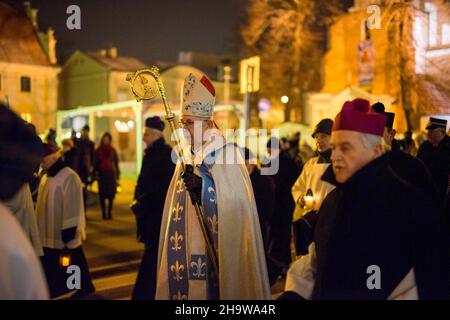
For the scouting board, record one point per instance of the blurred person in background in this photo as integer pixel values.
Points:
(408, 144)
(309, 190)
(404, 165)
(86, 159)
(50, 138)
(107, 173)
(70, 154)
(435, 154)
(294, 150)
(264, 191)
(281, 222)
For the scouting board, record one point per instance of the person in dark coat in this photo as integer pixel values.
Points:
(410, 169)
(294, 150)
(50, 137)
(264, 191)
(281, 222)
(70, 154)
(435, 154)
(376, 237)
(86, 159)
(108, 174)
(153, 182)
(408, 144)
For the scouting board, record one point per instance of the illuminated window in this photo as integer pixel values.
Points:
(25, 84)
(446, 34)
(432, 24)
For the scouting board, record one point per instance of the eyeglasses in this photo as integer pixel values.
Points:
(188, 123)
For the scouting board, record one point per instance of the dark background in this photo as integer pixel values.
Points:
(151, 30)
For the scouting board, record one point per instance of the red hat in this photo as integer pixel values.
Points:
(357, 116)
(48, 149)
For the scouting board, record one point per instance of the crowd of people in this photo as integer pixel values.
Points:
(99, 164)
(219, 229)
(45, 188)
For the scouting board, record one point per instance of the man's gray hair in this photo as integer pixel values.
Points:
(371, 141)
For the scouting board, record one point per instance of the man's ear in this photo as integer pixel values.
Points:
(379, 150)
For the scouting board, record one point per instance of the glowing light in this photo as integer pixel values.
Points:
(130, 124)
(285, 99)
(65, 258)
(121, 126)
(68, 135)
(309, 199)
(78, 135)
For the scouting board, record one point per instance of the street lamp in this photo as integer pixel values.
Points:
(285, 99)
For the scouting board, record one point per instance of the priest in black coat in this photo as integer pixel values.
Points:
(153, 182)
(407, 167)
(376, 237)
(435, 154)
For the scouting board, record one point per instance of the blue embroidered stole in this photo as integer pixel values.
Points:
(181, 266)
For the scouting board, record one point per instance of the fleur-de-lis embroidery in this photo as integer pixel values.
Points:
(176, 239)
(213, 194)
(214, 223)
(177, 268)
(180, 186)
(179, 296)
(177, 210)
(200, 267)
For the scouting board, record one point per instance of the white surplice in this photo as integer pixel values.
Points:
(21, 275)
(59, 207)
(22, 207)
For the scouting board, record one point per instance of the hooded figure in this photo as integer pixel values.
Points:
(372, 240)
(218, 180)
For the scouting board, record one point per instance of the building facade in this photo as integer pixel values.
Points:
(28, 69)
(401, 57)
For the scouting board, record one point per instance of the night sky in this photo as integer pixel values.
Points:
(151, 30)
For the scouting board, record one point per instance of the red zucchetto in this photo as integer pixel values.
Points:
(356, 115)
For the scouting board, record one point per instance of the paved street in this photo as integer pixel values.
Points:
(112, 251)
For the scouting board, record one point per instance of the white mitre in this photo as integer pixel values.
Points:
(197, 97)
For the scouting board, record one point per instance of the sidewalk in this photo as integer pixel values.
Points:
(112, 241)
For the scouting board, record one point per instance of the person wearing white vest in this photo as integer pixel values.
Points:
(223, 189)
(309, 190)
(61, 222)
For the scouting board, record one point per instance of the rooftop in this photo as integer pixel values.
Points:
(19, 42)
